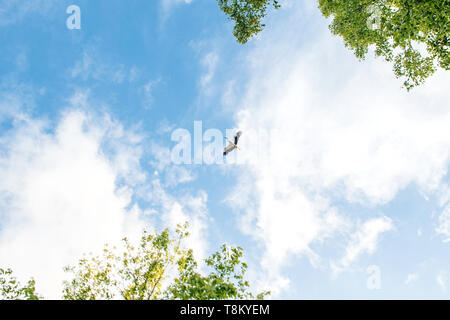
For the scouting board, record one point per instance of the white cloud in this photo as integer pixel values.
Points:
(15, 10)
(174, 2)
(93, 65)
(441, 279)
(68, 189)
(70, 192)
(161, 160)
(412, 277)
(60, 196)
(165, 127)
(168, 5)
(365, 240)
(444, 224)
(15, 99)
(181, 209)
(209, 63)
(147, 91)
(338, 130)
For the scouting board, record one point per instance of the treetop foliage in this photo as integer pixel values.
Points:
(247, 16)
(413, 35)
(157, 267)
(11, 289)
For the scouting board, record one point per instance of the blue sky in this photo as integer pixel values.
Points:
(353, 178)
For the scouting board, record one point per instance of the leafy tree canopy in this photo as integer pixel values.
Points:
(159, 268)
(411, 34)
(11, 289)
(247, 16)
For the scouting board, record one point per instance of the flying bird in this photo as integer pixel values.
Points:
(232, 144)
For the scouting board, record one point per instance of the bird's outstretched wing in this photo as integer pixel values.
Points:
(236, 137)
(228, 149)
